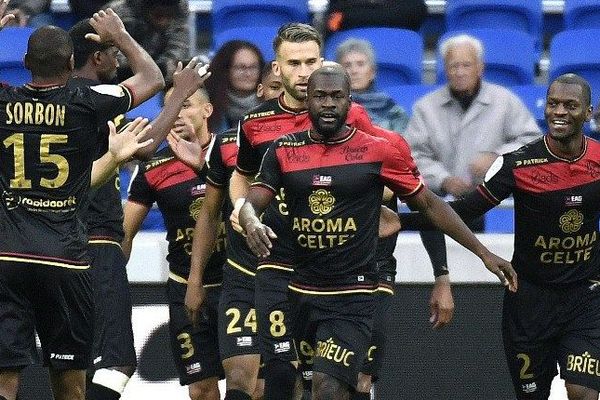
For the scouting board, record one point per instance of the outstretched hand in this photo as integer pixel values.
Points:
(124, 144)
(258, 237)
(5, 19)
(502, 269)
(188, 152)
(190, 78)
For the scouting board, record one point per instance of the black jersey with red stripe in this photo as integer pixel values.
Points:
(104, 213)
(261, 127)
(334, 192)
(178, 191)
(49, 137)
(221, 163)
(557, 208)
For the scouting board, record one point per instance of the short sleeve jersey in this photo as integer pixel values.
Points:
(557, 207)
(263, 125)
(334, 193)
(104, 213)
(49, 137)
(221, 163)
(178, 191)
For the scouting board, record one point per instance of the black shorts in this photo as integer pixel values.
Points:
(544, 326)
(113, 334)
(273, 314)
(195, 351)
(55, 301)
(237, 316)
(376, 352)
(333, 332)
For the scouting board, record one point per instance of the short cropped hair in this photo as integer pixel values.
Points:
(83, 48)
(49, 52)
(576, 80)
(355, 45)
(461, 40)
(296, 32)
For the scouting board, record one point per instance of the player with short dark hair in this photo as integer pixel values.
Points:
(113, 357)
(238, 346)
(555, 183)
(49, 133)
(333, 204)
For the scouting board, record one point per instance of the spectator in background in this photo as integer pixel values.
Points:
(236, 70)
(358, 59)
(85, 8)
(160, 27)
(456, 132)
(34, 13)
(348, 14)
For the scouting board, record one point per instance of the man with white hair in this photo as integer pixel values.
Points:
(457, 131)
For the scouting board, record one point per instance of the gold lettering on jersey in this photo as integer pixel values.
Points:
(229, 139)
(187, 235)
(28, 113)
(531, 161)
(571, 221)
(321, 202)
(258, 115)
(584, 364)
(566, 250)
(370, 353)
(307, 353)
(281, 205)
(195, 207)
(334, 352)
(321, 233)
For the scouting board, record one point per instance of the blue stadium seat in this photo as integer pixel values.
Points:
(577, 51)
(581, 14)
(407, 95)
(148, 109)
(12, 69)
(509, 56)
(398, 53)
(523, 15)
(534, 97)
(261, 36)
(227, 14)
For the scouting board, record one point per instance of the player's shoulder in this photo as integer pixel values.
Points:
(532, 153)
(263, 110)
(295, 139)
(159, 159)
(226, 137)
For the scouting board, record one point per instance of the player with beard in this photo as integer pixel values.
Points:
(113, 355)
(298, 53)
(555, 182)
(333, 207)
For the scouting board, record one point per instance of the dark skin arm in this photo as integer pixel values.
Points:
(207, 226)
(446, 219)
(147, 79)
(186, 81)
(258, 235)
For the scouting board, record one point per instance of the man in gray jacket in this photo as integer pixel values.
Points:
(457, 131)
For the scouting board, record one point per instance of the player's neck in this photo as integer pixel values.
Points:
(567, 149)
(86, 72)
(292, 103)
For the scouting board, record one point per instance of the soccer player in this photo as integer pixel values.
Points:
(298, 53)
(49, 134)
(179, 191)
(237, 324)
(555, 182)
(333, 205)
(113, 356)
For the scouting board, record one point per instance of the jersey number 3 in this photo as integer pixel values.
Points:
(17, 141)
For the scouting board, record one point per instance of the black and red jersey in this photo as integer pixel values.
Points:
(48, 142)
(261, 127)
(104, 213)
(178, 191)
(557, 207)
(333, 192)
(221, 163)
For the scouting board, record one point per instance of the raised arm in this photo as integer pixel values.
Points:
(185, 82)
(147, 80)
(121, 148)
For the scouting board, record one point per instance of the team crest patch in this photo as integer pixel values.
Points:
(571, 221)
(321, 202)
(195, 207)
